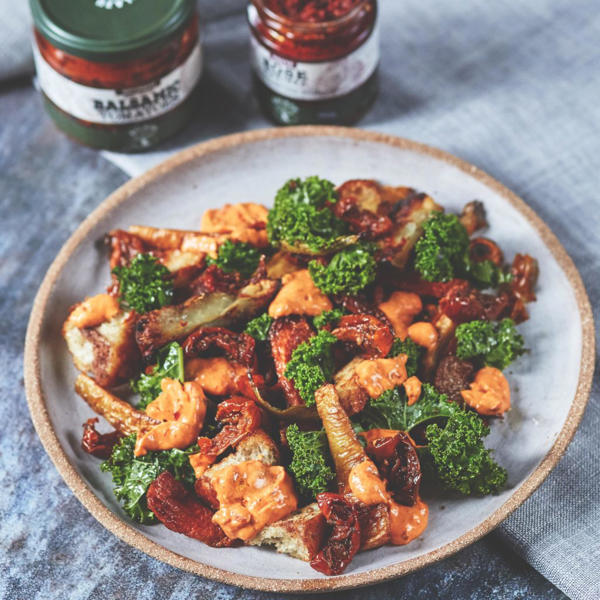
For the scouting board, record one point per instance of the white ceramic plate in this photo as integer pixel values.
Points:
(549, 386)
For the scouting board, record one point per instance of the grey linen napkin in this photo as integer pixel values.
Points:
(513, 87)
(15, 35)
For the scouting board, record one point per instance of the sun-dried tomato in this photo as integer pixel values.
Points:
(344, 540)
(98, 444)
(370, 334)
(398, 463)
(360, 305)
(179, 510)
(124, 246)
(435, 289)
(285, 335)
(463, 303)
(481, 249)
(239, 417)
(369, 224)
(525, 272)
(453, 375)
(214, 279)
(239, 347)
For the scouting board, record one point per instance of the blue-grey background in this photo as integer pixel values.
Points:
(511, 85)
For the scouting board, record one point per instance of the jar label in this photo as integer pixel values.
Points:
(316, 80)
(119, 107)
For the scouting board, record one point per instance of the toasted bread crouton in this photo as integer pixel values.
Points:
(256, 446)
(107, 352)
(300, 534)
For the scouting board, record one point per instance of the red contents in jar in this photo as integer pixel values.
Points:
(313, 11)
(320, 42)
(122, 74)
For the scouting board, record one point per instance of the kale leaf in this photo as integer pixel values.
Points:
(311, 461)
(328, 317)
(485, 273)
(169, 364)
(348, 272)
(440, 251)
(133, 475)
(461, 461)
(493, 344)
(412, 350)
(300, 215)
(312, 365)
(391, 409)
(236, 256)
(144, 285)
(259, 327)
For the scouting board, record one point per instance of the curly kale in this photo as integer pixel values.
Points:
(259, 327)
(300, 216)
(348, 272)
(391, 409)
(328, 317)
(144, 285)
(311, 461)
(312, 365)
(485, 273)
(236, 256)
(132, 475)
(169, 363)
(493, 344)
(461, 461)
(440, 252)
(413, 352)
(455, 454)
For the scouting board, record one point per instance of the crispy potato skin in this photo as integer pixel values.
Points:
(120, 414)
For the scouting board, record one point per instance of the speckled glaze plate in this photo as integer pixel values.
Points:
(550, 385)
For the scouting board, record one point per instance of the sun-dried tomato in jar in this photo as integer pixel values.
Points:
(314, 61)
(117, 74)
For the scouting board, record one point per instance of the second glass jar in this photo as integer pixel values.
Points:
(314, 68)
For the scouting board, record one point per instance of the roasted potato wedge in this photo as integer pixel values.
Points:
(353, 398)
(120, 414)
(346, 450)
(218, 309)
(408, 228)
(179, 239)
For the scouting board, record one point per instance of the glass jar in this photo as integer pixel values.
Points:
(322, 70)
(117, 74)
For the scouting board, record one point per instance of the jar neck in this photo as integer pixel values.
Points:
(312, 41)
(129, 72)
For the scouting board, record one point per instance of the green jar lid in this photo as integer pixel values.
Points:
(106, 30)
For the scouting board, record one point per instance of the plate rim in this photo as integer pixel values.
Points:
(41, 420)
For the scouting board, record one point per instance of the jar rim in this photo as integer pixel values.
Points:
(310, 26)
